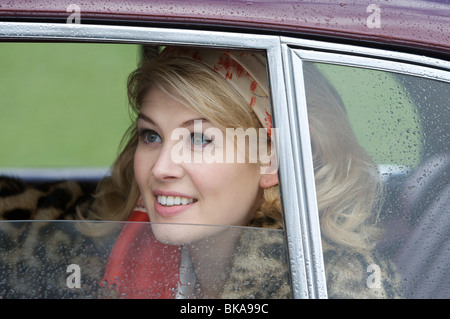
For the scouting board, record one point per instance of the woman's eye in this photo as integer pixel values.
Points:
(150, 137)
(198, 139)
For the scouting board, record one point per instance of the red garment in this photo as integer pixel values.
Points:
(139, 266)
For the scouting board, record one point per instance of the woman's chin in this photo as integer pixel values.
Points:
(182, 234)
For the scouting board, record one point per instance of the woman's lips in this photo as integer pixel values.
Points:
(172, 204)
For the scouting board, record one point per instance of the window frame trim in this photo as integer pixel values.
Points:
(298, 164)
(369, 58)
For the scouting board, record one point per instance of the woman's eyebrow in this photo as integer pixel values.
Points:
(145, 118)
(192, 122)
(187, 123)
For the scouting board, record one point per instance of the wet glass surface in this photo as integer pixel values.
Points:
(393, 134)
(56, 259)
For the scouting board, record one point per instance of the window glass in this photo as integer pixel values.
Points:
(380, 143)
(70, 100)
(58, 259)
(63, 104)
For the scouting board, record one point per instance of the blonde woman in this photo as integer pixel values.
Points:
(220, 89)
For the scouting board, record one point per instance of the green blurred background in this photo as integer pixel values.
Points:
(63, 105)
(380, 110)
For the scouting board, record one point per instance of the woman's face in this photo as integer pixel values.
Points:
(188, 192)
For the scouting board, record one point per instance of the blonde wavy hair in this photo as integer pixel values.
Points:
(347, 187)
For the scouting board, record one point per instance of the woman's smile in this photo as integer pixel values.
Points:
(173, 200)
(171, 204)
(171, 210)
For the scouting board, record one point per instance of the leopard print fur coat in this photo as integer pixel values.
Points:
(34, 256)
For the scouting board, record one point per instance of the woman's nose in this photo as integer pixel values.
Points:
(165, 166)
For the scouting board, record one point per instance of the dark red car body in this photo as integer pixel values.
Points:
(414, 24)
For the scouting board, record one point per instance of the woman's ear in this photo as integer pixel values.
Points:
(268, 180)
(269, 172)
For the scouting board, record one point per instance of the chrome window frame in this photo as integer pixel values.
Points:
(369, 58)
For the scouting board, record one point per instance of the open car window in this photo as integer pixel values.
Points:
(64, 108)
(70, 102)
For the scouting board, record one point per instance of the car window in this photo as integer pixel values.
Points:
(393, 135)
(63, 106)
(58, 259)
(70, 101)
